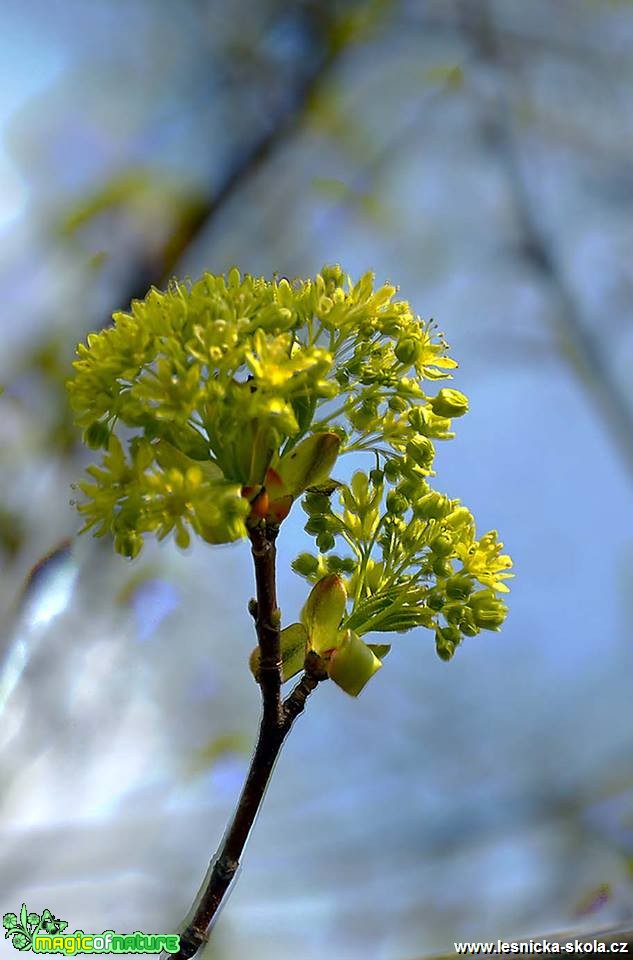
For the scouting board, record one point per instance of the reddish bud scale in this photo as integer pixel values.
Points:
(279, 509)
(275, 485)
(258, 499)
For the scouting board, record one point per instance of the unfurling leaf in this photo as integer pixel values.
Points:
(353, 664)
(309, 463)
(323, 612)
(294, 640)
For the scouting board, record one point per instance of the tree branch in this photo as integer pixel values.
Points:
(280, 128)
(276, 722)
(267, 623)
(579, 344)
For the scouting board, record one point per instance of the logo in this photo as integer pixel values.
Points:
(27, 926)
(47, 934)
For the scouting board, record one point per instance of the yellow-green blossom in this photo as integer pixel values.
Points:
(219, 403)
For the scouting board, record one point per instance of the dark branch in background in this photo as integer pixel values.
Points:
(276, 721)
(579, 345)
(282, 125)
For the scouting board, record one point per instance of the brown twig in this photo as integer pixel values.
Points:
(276, 721)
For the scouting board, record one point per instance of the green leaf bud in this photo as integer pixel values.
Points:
(323, 612)
(352, 664)
(310, 462)
(449, 403)
(294, 644)
(377, 477)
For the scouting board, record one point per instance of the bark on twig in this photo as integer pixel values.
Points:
(276, 721)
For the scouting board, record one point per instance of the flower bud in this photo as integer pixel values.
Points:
(128, 544)
(444, 648)
(442, 545)
(342, 564)
(396, 503)
(432, 506)
(446, 639)
(421, 451)
(376, 477)
(451, 633)
(323, 612)
(398, 404)
(459, 587)
(97, 435)
(435, 600)
(449, 403)
(407, 350)
(442, 567)
(453, 613)
(392, 470)
(352, 664)
(487, 612)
